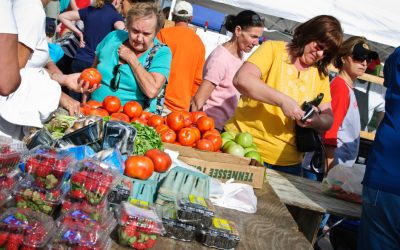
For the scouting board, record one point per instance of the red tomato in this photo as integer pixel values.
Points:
(145, 115)
(161, 160)
(186, 136)
(187, 115)
(216, 140)
(197, 132)
(177, 143)
(132, 109)
(210, 132)
(168, 135)
(139, 166)
(175, 121)
(205, 144)
(161, 128)
(121, 109)
(87, 107)
(105, 113)
(96, 112)
(111, 104)
(196, 115)
(187, 123)
(205, 123)
(155, 121)
(82, 109)
(92, 76)
(95, 104)
(120, 117)
(139, 120)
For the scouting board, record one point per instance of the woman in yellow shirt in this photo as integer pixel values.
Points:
(276, 79)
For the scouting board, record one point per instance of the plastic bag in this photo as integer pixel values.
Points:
(344, 182)
(237, 196)
(120, 134)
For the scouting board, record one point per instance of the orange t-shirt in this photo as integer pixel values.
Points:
(188, 57)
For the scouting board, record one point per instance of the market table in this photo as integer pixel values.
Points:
(271, 227)
(307, 204)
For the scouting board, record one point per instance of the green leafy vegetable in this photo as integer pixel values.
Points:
(146, 139)
(106, 118)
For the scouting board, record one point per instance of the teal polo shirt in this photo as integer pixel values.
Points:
(128, 89)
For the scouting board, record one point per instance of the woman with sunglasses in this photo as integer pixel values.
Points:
(342, 140)
(217, 96)
(134, 64)
(276, 80)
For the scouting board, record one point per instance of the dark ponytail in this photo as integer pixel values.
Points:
(245, 19)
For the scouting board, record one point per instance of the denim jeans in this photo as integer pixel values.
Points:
(78, 66)
(292, 169)
(380, 220)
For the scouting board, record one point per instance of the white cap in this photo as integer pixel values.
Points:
(183, 5)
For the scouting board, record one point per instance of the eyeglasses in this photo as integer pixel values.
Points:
(114, 83)
(257, 18)
(322, 47)
(360, 59)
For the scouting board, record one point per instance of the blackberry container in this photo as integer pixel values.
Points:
(176, 229)
(222, 234)
(194, 210)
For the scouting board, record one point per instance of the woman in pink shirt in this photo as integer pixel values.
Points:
(217, 96)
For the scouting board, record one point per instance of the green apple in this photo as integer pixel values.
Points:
(227, 135)
(253, 146)
(226, 145)
(246, 150)
(244, 139)
(235, 149)
(233, 132)
(224, 140)
(255, 155)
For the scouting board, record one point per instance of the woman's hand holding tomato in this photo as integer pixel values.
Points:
(161, 160)
(92, 79)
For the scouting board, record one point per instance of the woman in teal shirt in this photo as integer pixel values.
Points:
(134, 65)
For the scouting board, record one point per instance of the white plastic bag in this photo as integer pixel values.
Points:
(237, 196)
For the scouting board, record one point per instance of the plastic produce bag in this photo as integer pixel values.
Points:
(113, 157)
(120, 134)
(236, 196)
(344, 182)
(82, 152)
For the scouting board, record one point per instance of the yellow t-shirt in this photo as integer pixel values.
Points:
(273, 133)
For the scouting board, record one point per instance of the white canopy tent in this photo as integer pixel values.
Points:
(376, 20)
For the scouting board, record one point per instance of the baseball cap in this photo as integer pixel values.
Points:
(50, 22)
(183, 5)
(361, 49)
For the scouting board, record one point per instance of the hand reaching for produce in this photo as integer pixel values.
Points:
(291, 109)
(73, 82)
(69, 104)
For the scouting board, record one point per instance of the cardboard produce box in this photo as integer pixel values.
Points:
(222, 166)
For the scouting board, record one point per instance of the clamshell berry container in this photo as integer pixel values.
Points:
(92, 180)
(77, 235)
(48, 166)
(25, 229)
(138, 227)
(222, 234)
(10, 154)
(36, 199)
(176, 229)
(97, 220)
(11, 180)
(5, 196)
(96, 210)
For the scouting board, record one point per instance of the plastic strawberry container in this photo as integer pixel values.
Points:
(25, 229)
(48, 166)
(5, 196)
(138, 227)
(10, 154)
(77, 235)
(11, 180)
(105, 220)
(93, 180)
(38, 199)
(85, 206)
(194, 210)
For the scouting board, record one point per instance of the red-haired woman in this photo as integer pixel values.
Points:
(276, 80)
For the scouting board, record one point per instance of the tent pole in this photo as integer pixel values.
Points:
(172, 9)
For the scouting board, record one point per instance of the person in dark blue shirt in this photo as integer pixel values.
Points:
(99, 20)
(380, 218)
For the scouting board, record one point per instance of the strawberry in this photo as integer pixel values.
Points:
(130, 231)
(66, 206)
(125, 218)
(67, 220)
(25, 247)
(31, 165)
(135, 244)
(14, 241)
(79, 178)
(3, 237)
(90, 237)
(151, 241)
(77, 193)
(90, 184)
(141, 245)
(40, 183)
(43, 170)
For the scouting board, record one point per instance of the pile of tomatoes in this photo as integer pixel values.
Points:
(190, 129)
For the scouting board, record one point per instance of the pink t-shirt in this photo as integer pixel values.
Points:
(220, 68)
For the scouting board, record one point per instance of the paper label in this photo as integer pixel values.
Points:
(197, 200)
(80, 215)
(221, 224)
(69, 235)
(173, 214)
(89, 164)
(14, 221)
(42, 152)
(138, 202)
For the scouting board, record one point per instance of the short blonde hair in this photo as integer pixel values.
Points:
(146, 11)
(100, 3)
(347, 49)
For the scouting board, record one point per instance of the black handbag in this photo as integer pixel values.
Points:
(307, 139)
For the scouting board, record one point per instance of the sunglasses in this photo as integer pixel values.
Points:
(322, 47)
(257, 18)
(360, 59)
(114, 83)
